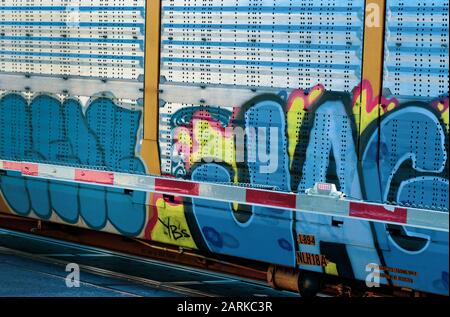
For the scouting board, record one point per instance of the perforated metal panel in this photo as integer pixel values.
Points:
(228, 46)
(416, 72)
(288, 44)
(97, 40)
(75, 38)
(71, 79)
(417, 39)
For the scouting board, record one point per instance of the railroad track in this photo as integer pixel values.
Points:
(176, 279)
(225, 278)
(108, 273)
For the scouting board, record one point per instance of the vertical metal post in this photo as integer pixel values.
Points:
(373, 59)
(150, 148)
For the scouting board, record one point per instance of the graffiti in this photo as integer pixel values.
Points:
(174, 231)
(371, 105)
(403, 153)
(245, 100)
(223, 232)
(198, 135)
(168, 222)
(398, 154)
(48, 130)
(298, 102)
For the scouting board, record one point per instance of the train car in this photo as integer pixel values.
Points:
(261, 98)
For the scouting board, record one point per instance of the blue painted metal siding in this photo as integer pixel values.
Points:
(416, 49)
(263, 43)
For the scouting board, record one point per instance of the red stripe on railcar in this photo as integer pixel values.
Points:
(97, 177)
(376, 212)
(30, 169)
(12, 166)
(271, 198)
(177, 187)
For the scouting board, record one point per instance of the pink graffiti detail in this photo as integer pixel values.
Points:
(153, 216)
(235, 114)
(198, 118)
(441, 105)
(372, 101)
(309, 98)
